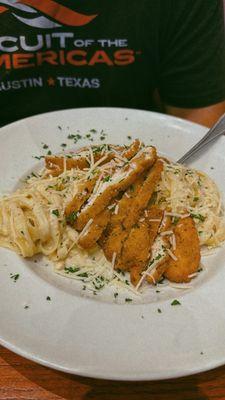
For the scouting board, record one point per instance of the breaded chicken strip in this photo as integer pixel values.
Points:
(121, 180)
(137, 248)
(115, 234)
(55, 165)
(115, 243)
(187, 252)
(166, 224)
(131, 151)
(162, 265)
(136, 274)
(126, 201)
(141, 201)
(114, 218)
(159, 271)
(139, 239)
(84, 191)
(94, 231)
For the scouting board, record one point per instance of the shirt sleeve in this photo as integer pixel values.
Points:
(192, 54)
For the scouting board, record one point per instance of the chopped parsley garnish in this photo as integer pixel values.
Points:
(103, 147)
(107, 178)
(83, 275)
(48, 298)
(88, 135)
(93, 131)
(38, 157)
(84, 287)
(198, 216)
(96, 149)
(74, 137)
(162, 200)
(153, 198)
(136, 226)
(55, 212)
(98, 284)
(158, 257)
(159, 310)
(45, 146)
(196, 198)
(63, 145)
(157, 291)
(59, 127)
(128, 299)
(115, 295)
(49, 153)
(132, 188)
(129, 137)
(22, 232)
(71, 218)
(15, 277)
(26, 307)
(102, 137)
(175, 220)
(175, 303)
(71, 270)
(120, 271)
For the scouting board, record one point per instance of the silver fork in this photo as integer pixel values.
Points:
(217, 130)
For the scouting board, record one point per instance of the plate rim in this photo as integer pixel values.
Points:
(155, 113)
(100, 375)
(30, 355)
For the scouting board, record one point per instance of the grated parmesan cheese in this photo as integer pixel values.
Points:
(85, 229)
(116, 209)
(172, 255)
(166, 233)
(92, 161)
(114, 259)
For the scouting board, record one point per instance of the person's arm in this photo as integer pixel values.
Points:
(205, 116)
(192, 61)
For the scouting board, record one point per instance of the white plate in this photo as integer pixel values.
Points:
(96, 337)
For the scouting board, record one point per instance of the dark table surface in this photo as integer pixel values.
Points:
(23, 379)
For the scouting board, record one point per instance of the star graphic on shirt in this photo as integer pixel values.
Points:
(51, 81)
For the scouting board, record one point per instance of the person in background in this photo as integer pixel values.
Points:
(160, 55)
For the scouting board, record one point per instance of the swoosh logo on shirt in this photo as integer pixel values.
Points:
(59, 14)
